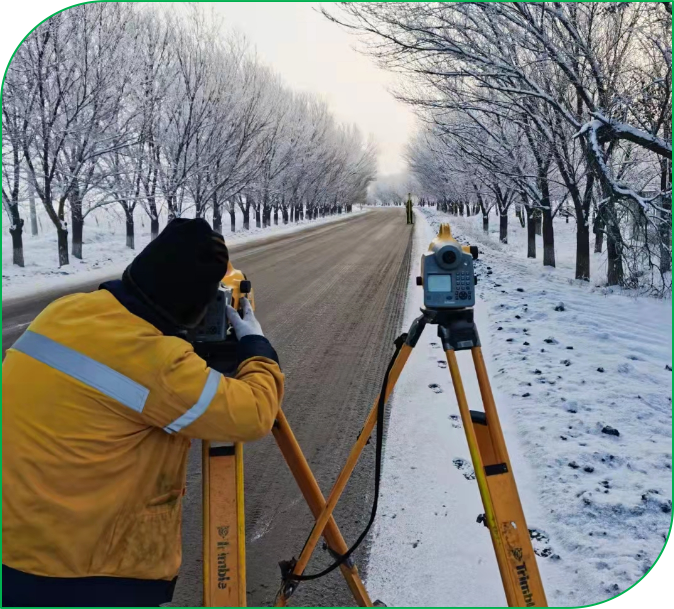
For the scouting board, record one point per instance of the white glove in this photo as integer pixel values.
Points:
(246, 326)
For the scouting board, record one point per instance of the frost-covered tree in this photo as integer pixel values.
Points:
(137, 106)
(587, 84)
(65, 84)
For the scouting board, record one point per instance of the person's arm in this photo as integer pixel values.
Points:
(204, 404)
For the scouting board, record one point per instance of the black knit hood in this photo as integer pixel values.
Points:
(178, 273)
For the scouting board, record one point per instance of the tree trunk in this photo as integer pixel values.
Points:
(665, 228)
(246, 217)
(172, 214)
(583, 251)
(538, 223)
(258, 216)
(232, 219)
(130, 230)
(17, 240)
(284, 213)
(598, 229)
(615, 274)
(154, 228)
(154, 217)
(276, 216)
(548, 237)
(217, 214)
(503, 227)
(485, 223)
(531, 232)
(77, 221)
(62, 235)
(33, 210)
(78, 232)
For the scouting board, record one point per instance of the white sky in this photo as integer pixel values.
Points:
(313, 54)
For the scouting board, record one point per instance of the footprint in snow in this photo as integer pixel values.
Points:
(465, 468)
(435, 388)
(541, 544)
(435, 345)
(442, 363)
(454, 418)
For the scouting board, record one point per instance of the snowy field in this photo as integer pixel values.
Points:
(584, 394)
(105, 251)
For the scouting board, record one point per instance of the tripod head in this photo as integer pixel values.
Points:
(447, 274)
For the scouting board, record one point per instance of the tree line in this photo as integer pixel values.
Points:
(158, 111)
(546, 107)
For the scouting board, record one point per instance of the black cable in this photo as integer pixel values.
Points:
(381, 410)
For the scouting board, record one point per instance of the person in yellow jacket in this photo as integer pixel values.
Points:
(101, 397)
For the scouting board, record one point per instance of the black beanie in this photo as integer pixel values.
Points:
(178, 273)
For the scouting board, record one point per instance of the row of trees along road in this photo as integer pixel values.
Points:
(542, 106)
(134, 106)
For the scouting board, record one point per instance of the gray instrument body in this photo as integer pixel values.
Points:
(215, 327)
(448, 278)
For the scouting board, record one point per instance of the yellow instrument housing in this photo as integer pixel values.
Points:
(232, 280)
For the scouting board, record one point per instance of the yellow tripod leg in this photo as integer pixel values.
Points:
(224, 539)
(503, 509)
(519, 553)
(292, 453)
(343, 478)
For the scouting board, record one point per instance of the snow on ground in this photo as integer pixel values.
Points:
(566, 382)
(105, 252)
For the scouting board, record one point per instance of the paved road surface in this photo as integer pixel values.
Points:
(330, 299)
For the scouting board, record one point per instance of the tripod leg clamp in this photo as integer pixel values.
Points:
(288, 584)
(349, 562)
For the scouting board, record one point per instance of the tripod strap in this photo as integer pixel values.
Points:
(288, 575)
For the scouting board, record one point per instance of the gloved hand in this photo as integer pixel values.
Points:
(246, 326)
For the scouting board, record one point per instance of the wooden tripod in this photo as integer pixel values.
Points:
(503, 509)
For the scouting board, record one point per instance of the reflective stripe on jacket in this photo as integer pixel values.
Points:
(98, 410)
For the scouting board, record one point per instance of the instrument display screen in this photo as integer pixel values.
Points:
(439, 283)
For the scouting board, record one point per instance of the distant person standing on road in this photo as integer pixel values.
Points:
(101, 398)
(410, 211)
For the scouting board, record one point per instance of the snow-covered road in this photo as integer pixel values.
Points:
(568, 379)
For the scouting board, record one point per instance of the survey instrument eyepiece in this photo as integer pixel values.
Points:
(447, 274)
(215, 327)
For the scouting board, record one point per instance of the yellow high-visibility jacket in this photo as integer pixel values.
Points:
(98, 409)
